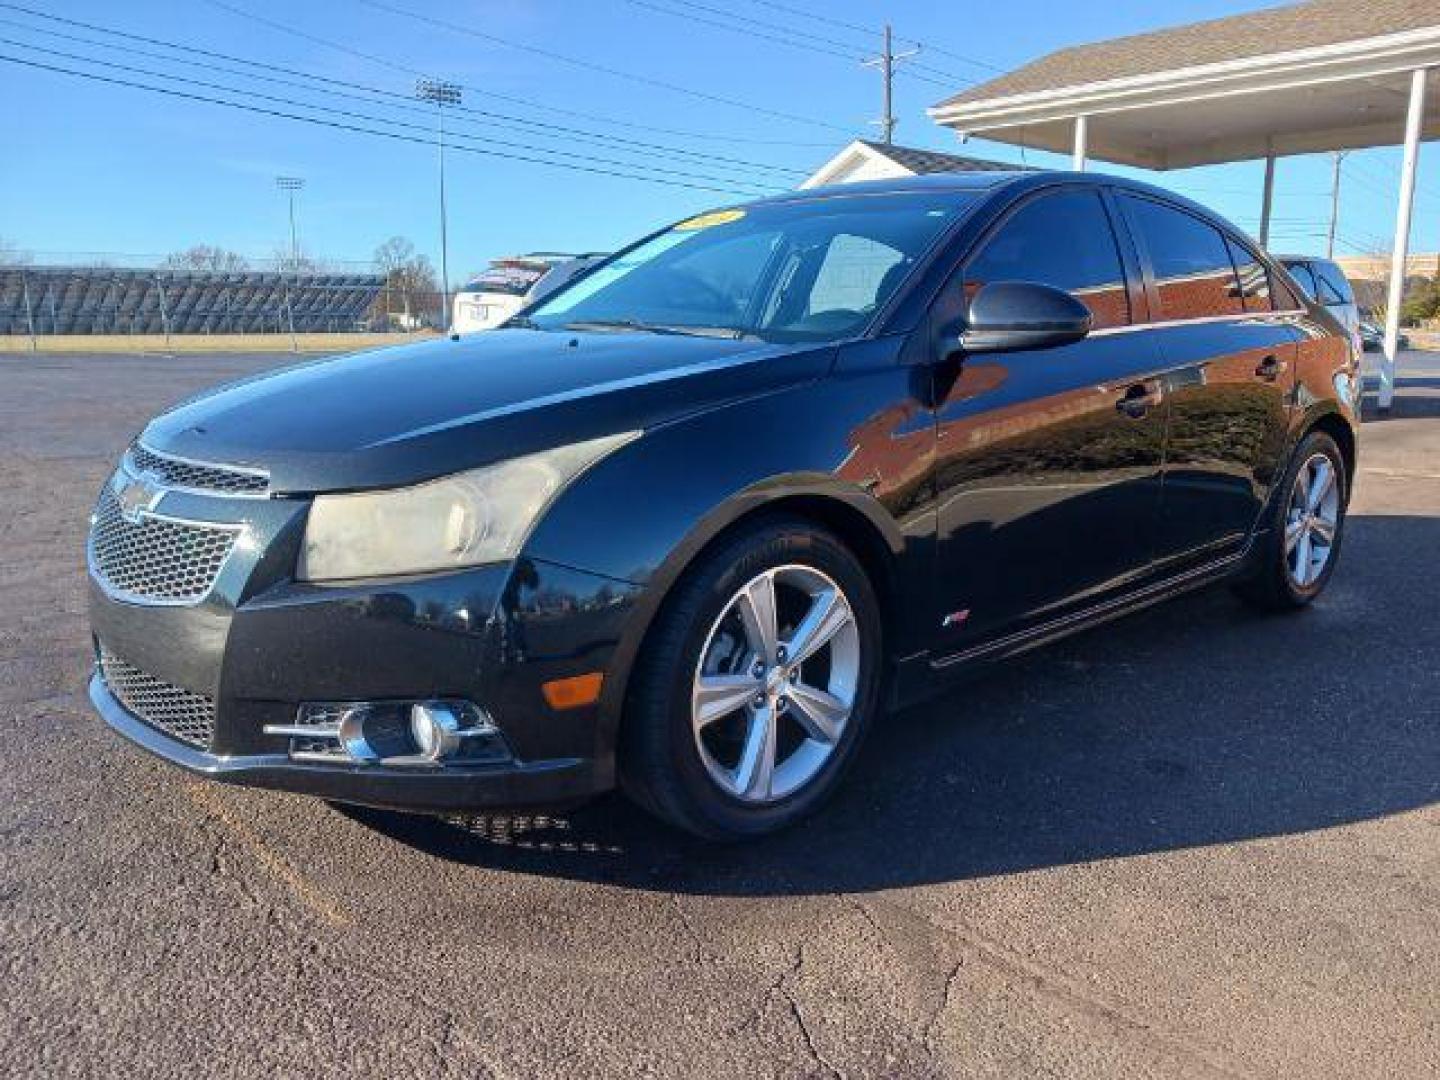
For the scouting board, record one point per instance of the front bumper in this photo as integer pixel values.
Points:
(433, 788)
(260, 644)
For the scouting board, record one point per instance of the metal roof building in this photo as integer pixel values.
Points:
(102, 300)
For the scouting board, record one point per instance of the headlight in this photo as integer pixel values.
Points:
(470, 518)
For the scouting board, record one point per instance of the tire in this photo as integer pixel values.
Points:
(703, 777)
(1275, 584)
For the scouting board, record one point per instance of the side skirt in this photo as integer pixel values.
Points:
(920, 677)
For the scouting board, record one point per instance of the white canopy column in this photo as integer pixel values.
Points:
(1267, 200)
(1395, 296)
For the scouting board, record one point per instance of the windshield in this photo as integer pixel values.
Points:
(803, 271)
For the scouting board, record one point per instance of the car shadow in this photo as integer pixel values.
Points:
(1195, 723)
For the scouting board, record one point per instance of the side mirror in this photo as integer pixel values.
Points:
(1007, 316)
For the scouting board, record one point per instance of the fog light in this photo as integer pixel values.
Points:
(454, 730)
(395, 733)
(435, 729)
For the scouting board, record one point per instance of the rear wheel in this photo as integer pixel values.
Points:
(755, 686)
(1303, 544)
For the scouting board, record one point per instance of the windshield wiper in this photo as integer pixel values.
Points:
(635, 326)
(519, 322)
(619, 326)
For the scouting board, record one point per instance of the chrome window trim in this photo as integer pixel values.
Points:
(1165, 324)
(128, 463)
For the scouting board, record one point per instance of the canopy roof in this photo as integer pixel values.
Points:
(1323, 75)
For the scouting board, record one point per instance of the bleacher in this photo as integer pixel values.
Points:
(104, 300)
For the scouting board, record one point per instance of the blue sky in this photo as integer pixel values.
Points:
(91, 167)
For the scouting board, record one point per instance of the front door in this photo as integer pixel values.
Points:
(1048, 462)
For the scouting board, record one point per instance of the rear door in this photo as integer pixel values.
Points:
(1230, 370)
(1048, 461)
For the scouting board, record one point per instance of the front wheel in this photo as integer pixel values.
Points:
(756, 684)
(1299, 553)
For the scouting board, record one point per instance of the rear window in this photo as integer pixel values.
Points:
(507, 279)
(1304, 278)
(1254, 279)
(1194, 275)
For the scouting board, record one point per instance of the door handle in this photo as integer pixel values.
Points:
(1270, 369)
(1136, 401)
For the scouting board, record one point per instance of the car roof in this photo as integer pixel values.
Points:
(1290, 259)
(961, 183)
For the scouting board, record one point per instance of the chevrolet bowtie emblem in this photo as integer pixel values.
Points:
(135, 494)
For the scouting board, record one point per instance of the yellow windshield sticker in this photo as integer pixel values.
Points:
(706, 221)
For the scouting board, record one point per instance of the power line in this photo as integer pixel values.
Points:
(396, 66)
(339, 126)
(412, 71)
(815, 45)
(590, 65)
(739, 24)
(857, 28)
(395, 100)
(755, 187)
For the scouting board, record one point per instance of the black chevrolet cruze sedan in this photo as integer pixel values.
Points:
(693, 523)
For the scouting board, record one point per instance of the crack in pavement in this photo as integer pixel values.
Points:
(703, 954)
(928, 1040)
(310, 895)
(1057, 986)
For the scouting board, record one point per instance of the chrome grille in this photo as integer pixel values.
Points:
(179, 713)
(192, 475)
(156, 559)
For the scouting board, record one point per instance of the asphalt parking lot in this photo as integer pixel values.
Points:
(1197, 842)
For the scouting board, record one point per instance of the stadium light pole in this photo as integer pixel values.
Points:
(290, 185)
(442, 94)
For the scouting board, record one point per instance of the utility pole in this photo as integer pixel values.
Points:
(290, 185)
(1336, 156)
(886, 62)
(442, 94)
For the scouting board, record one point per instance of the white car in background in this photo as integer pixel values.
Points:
(507, 285)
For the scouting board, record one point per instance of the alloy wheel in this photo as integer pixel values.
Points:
(776, 684)
(1312, 521)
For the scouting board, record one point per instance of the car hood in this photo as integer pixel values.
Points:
(401, 415)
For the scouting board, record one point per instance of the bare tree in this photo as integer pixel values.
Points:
(297, 262)
(410, 282)
(205, 258)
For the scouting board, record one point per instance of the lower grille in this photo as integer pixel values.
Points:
(179, 713)
(156, 559)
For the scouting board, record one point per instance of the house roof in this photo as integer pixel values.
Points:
(1314, 24)
(860, 153)
(921, 162)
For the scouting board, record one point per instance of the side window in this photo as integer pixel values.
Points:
(1306, 280)
(1254, 279)
(852, 274)
(1334, 288)
(1191, 261)
(1064, 240)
